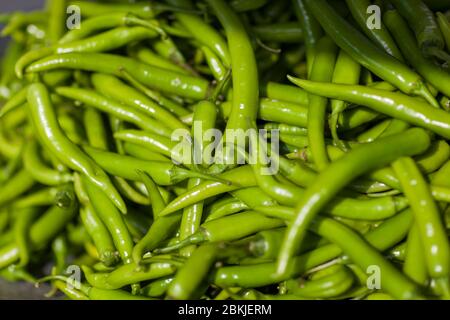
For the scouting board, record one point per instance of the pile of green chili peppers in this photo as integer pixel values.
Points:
(93, 188)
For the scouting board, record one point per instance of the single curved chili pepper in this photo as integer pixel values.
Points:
(161, 229)
(435, 75)
(43, 197)
(106, 41)
(112, 219)
(114, 107)
(284, 92)
(322, 70)
(140, 152)
(164, 80)
(227, 207)
(60, 252)
(311, 28)
(41, 232)
(285, 129)
(127, 274)
(144, 10)
(346, 71)
(154, 195)
(218, 70)
(17, 185)
(39, 170)
(157, 288)
(327, 283)
(56, 20)
(343, 171)
(397, 105)
(189, 278)
(113, 88)
(367, 53)
(389, 233)
(414, 261)
(423, 22)
(243, 64)
(21, 227)
(379, 35)
(228, 228)
(393, 281)
(427, 219)
(50, 134)
(99, 234)
(253, 197)
(283, 112)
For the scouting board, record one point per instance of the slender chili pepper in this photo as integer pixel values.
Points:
(17, 185)
(154, 195)
(216, 66)
(157, 288)
(107, 21)
(99, 234)
(112, 219)
(427, 219)
(114, 107)
(367, 53)
(127, 274)
(405, 39)
(284, 112)
(379, 35)
(253, 197)
(189, 278)
(393, 104)
(423, 22)
(226, 208)
(39, 170)
(43, 197)
(15, 101)
(313, 31)
(144, 10)
(346, 71)
(161, 229)
(50, 134)
(414, 265)
(106, 41)
(24, 219)
(284, 32)
(56, 20)
(322, 70)
(164, 80)
(284, 92)
(243, 64)
(343, 171)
